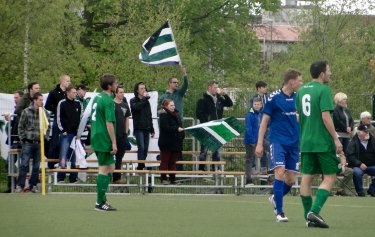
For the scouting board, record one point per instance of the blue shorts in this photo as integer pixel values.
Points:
(282, 155)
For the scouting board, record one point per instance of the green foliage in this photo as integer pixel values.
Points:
(85, 38)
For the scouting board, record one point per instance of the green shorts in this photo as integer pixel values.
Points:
(105, 158)
(320, 163)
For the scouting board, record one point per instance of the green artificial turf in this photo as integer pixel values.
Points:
(172, 215)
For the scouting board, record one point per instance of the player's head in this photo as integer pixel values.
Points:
(257, 104)
(292, 79)
(108, 82)
(320, 70)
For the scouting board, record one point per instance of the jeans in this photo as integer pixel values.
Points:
(250, 160)
(53, 149)
(29, 150)
(67, 154)
(203, 157)
(121, 143)
(143, 140)
(358, 177)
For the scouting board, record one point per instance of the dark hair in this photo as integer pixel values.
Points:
(291, 74)
(69, 88)
(30, 85)
(212, 82)
(20, 92)
(81, 87)
(107, 80)
(318, 67)
(37, 95)
(119, 87)
(260, 84)
(135, 89)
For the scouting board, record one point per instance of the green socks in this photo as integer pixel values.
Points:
(102, 183)
(321, 198)
(307, 203)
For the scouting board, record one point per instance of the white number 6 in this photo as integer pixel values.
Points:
(306, 106)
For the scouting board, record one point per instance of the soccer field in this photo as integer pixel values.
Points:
(169, 215)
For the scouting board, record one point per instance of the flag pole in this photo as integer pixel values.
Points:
(41, 131)
(170, 26)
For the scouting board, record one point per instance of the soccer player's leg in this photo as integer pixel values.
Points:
(277, 161)
(106, 165)
(309, 167)
(329, 164)
(291, 170)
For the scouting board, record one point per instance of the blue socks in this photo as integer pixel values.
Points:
(278, 193)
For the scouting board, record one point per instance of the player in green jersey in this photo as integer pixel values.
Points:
(103, 140)
(319, 142)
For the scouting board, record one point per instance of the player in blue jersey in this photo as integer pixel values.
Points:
(281, 114)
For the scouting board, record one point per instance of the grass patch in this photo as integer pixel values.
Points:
(168, 215)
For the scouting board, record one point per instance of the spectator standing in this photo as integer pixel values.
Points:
(142, 121)
(53, 99)
(13, 141)
(261, 87)
(103, 138)
(252, 121)
(68, 117)
(342, 119)
(170, 139)
(29, 134)
(27, 98)
(211, 107)
(281, 115)
(319, 141)
(176, 94)
(365, 120)
(81, 92)
(122, 113)
(361, 156)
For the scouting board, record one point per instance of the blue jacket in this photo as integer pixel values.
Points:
(253, 120)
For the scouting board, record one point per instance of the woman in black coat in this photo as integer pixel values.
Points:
(343, 120)
(170, 139)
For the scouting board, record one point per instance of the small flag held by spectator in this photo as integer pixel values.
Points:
(216, 133)
(160, 48)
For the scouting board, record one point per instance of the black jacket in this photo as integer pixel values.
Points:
(68, 116)
(54, 98)
(206, 109)
(356, 152)
(339, 119)
(141, 112)
(170, 138)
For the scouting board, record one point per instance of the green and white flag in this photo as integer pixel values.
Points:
(216, 133)
(160, 48)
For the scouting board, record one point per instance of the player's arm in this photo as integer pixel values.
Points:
(262, 131)
(328, 123)
(111, 132)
